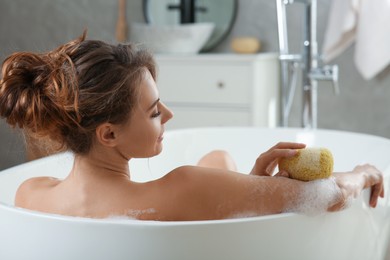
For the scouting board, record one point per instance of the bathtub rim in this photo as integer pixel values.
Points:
(233, 128)
(281, 129)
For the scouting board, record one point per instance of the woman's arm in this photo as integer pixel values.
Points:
(198, 193)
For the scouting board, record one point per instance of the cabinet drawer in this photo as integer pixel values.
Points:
(185, 117)
(197, 83)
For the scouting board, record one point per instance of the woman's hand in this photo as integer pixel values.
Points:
(266, 163)
(374, 179)
(352, 183)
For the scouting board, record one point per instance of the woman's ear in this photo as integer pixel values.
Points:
(105, 134)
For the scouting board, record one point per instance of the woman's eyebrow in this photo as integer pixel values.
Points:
(154, 104)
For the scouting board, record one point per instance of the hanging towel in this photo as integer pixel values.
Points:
(365, 22)
(372, 52)
(341, 29)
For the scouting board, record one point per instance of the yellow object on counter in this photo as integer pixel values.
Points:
(309, 164)
(245, 45)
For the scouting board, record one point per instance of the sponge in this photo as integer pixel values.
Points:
(308, 164)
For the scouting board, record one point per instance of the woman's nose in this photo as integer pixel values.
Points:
(167, 113)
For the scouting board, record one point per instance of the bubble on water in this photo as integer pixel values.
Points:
(248, 214)
(137, 213)
(120, 217)
(134, 214)
(316, 197)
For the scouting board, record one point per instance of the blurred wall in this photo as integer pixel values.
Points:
(41, 25)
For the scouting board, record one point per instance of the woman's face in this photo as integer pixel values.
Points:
(142, 135)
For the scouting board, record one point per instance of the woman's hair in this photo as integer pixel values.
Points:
(66, 93)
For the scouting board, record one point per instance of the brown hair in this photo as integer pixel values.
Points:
(66, 93)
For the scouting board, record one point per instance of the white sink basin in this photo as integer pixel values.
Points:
(172, 39)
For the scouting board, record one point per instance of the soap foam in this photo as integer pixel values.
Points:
(248, 214)
(317, 197)
(134, 214)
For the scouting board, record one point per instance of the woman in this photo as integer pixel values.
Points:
(101, 102)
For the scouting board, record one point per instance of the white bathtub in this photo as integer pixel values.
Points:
(356, 233)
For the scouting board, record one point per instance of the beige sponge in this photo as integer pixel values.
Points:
(309, 164)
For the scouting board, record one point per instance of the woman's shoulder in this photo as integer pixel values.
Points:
(187, 175)
(34, 189)
(39, 183)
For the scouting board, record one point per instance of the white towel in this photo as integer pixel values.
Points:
(341, 29)
(367, 23)
(372, 53)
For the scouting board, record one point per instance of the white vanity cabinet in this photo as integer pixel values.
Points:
(220, 89)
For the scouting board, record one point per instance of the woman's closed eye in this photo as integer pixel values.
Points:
(156, 114)
(156, 109)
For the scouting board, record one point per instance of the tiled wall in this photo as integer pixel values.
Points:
(39, 25)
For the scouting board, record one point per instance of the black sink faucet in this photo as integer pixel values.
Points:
(187, 10)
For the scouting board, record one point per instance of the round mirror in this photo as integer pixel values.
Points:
(171, 12)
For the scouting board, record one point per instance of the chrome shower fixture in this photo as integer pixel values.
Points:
(306, 63)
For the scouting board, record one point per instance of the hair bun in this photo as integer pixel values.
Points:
(19, 90)
(34, 91)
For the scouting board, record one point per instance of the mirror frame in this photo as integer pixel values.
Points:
(209, 44)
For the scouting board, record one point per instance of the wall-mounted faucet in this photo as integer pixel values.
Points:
(307, 62)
